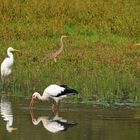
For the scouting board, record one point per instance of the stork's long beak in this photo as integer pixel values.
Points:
(32, 103)
(16, 50)
(32, 114)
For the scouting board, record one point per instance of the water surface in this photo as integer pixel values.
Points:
(74, 121)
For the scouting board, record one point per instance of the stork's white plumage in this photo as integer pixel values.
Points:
(55, 92)
(54, 125)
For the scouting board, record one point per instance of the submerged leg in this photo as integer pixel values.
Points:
(53, 106)
(57, 106)
(61, 107)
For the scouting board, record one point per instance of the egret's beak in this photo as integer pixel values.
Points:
(13, 129)
(15, 50)
(32, 102)
(137, 44)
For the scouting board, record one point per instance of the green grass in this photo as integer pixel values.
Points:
(99, 58)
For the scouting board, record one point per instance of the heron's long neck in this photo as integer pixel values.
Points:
(61, 48)
(10, 55)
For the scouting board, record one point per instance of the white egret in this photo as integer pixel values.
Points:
(6, 65)
(55, 92)
(7, 113)
(54, 55)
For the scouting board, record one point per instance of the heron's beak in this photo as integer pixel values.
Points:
(32, 103)
(137, 44)
(16, 50)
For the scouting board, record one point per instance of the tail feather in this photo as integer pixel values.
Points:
(71, 92)
(68, 91)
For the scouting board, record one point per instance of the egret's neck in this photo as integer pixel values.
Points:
(9, 123)
(8, 128)
(10, 55)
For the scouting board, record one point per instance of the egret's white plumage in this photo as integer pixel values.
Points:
(55, 92)
(6, 113)
(6, 65)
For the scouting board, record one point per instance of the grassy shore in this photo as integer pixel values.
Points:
(100, 58)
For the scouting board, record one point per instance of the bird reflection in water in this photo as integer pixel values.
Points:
(53, 125)
(6, 113)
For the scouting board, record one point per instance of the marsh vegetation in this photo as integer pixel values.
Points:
(100, 58)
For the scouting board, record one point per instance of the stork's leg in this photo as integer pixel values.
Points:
(61, 107)
(53, 106)
(57, 106)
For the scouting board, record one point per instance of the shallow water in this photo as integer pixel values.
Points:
(74, 121)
